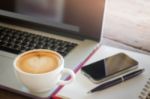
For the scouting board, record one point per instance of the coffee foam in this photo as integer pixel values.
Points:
(38, 62)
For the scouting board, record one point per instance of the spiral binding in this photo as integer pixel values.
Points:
(145, 94)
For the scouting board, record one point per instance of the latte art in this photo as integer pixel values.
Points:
(38, 62)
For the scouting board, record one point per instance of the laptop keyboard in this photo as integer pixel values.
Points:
(16, 41)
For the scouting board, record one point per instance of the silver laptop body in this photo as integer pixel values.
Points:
(73, 20)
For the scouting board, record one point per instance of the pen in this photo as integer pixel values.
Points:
(117, 81)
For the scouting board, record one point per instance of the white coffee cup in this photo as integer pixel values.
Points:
(41, 82)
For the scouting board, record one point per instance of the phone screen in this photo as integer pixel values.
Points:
(109, 66)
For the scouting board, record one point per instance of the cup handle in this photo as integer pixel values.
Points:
(72, 76)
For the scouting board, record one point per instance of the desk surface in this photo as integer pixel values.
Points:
(126, 90)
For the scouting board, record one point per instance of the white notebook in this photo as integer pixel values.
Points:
(145, 94)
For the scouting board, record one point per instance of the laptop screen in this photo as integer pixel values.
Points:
(82, 17)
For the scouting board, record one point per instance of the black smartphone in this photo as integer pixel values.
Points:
(109, 67)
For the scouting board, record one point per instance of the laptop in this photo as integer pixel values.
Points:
(71, 27)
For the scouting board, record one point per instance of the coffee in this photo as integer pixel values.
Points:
(38, 62)
(43, 66)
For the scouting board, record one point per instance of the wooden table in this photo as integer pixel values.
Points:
(127, 24)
